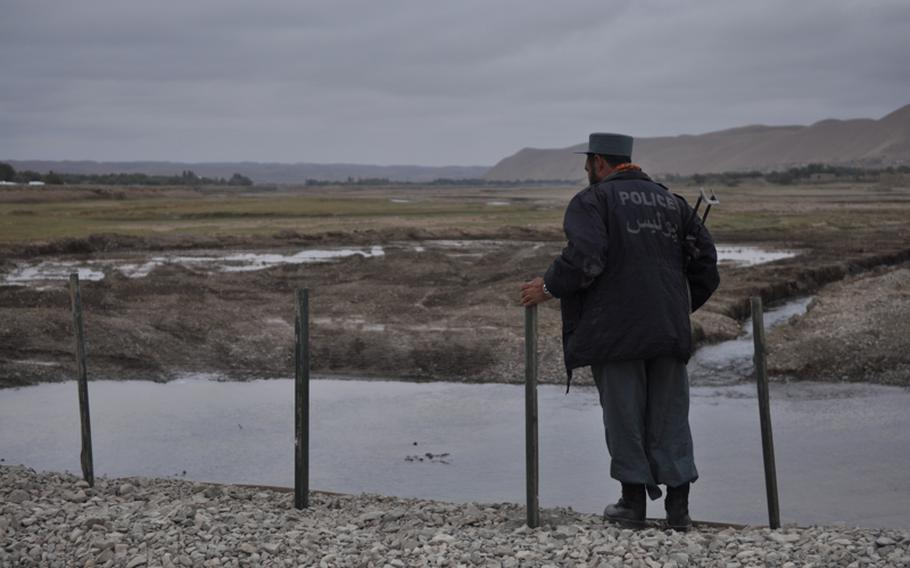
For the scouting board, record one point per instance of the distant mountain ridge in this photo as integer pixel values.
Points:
(857, 142)
(259, 172)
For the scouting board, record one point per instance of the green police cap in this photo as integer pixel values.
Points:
(609, 144)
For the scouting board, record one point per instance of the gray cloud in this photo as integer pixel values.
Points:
(409, 81)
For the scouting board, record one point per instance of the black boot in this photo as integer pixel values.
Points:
(629, 511)
(677, 506)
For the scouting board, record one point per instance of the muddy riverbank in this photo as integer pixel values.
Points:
(434, 305)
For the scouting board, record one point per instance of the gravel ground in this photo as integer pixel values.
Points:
(52, 519)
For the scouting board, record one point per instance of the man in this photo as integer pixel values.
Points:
(627, 281)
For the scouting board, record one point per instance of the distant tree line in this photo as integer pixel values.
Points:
(439, 181)
(810, 173)
(187, 177)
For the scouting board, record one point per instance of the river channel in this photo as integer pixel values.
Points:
(842, 450)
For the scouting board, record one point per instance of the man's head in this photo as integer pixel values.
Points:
(605, 152)
(599, 166)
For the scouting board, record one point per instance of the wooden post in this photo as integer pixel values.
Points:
(764, 411)
(85, 457)
(531, 453)
(302, 401)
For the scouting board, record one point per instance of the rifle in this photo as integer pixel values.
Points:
(689, 241)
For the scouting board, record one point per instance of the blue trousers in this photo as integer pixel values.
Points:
(646, 421)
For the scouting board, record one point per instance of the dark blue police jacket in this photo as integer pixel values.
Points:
(624, 280)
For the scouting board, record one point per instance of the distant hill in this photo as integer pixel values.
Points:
(259, 172)
(861, 142)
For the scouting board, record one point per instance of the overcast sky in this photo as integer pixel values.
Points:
(425, 82)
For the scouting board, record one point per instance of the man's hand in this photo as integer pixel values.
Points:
(532, 293)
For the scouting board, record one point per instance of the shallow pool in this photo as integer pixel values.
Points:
(843, 452)
(50, 270)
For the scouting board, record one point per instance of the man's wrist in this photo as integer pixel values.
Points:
(546, 292)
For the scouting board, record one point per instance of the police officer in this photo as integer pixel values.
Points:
(627, 282)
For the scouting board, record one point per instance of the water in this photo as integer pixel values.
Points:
(750, 256)
(27, 273)
(730, 362)
(52, 270)
(842, 451)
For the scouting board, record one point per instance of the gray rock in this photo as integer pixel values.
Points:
(442, 538)
(91, 522)
(681, 559)
(369, 517)
(783, 538)
(17, 496)
(649, 543)
(76, 496)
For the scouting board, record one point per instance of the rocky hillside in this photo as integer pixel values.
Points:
(860, 142)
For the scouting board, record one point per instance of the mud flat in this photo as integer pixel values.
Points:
(435, 309)
(56, 520)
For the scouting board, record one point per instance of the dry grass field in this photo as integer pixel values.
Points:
(31, 214)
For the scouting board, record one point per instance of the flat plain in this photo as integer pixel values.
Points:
(441, 300)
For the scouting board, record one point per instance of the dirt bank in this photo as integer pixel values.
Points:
(855, 330)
